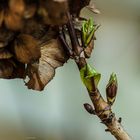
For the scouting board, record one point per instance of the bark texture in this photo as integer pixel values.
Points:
(102, 108)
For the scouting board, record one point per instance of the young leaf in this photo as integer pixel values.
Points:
(88, 30)
(89, 77)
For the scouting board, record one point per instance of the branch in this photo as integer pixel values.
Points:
(102, 108)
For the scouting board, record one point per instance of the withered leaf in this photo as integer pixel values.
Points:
(5, 54)
(93, 8)
(40, 73)
(26, 48)
(76, 6)
(13, 17)
(1, 16)
(53, 12)
(35, 29)
(17, 6)
(13, 21)
(6, 68)
(60, 9)
(19, 70)
(5, 36)
(30, 8)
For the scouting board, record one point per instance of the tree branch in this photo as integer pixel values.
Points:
(102, 108)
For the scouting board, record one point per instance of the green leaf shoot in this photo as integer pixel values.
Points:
(88, 30)
(89, 77)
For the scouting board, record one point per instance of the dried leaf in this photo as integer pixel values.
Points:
(35, 29)
(17, 6)
(5, 36)
(76, 6)
(26, 48)
(30, 8)
(1, 16)
(54, 12)
(5, 54)
(6, 69)
(93, 8)
(19, 70)
(52, 56)
(13, 21)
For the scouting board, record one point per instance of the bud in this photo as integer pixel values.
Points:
(89, 108)
(111, 89)
(89, 77)
(88, 29)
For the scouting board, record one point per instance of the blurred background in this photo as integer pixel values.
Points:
(57, 113)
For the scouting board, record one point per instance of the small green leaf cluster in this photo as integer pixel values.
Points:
(88, 29)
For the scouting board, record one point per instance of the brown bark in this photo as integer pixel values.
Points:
(102, 108)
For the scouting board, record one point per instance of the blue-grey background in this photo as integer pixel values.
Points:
(57, 113)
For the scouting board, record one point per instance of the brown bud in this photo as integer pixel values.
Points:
(111, 89)
(89, 108)
(26, 48)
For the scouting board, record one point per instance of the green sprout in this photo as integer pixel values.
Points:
(88, 76)
(88, 29)
(113, 78)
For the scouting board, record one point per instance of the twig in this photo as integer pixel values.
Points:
(102, 108)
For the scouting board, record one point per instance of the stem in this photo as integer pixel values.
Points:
(102, 108)
(74, 41)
